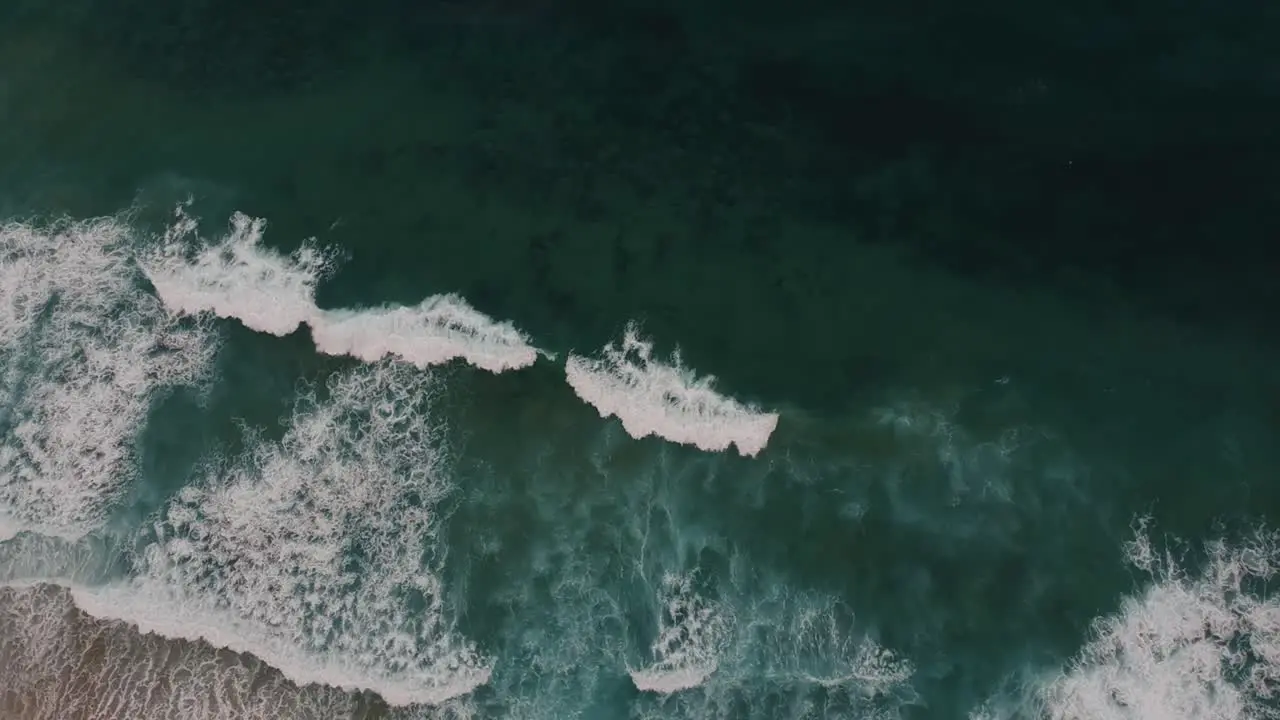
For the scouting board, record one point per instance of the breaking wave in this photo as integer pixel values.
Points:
(1191, 646)
(439, 329)
(624, 591)
(237, 277)
(651, 397)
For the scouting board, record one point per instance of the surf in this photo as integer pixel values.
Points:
(653, 397)
(84, 350)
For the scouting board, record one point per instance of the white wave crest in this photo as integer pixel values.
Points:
(434, 332)
(1200, 646)
(316, 553)
(83, 349)
(236, 277)
(654, 398)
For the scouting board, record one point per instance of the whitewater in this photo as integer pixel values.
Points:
(571, 361)
(286, 551)
(357, 559)
(236, 276)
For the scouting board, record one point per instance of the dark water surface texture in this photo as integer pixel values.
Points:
(559, 359)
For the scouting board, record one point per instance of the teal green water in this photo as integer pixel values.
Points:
(957, 471)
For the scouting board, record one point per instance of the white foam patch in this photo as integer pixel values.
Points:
(236, 277)
(692, 632)
(651, 397)
(440, 329)
(318, 553)
(1202, 646)
(83, 350)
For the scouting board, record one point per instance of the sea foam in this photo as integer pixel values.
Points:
(786, 638)
(692, 632)
(651, 397)
(712, 656)
(1190, 646)
(83, 351)
(60, 663)
(316, 553)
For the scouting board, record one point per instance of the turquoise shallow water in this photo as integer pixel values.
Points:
(962, 512)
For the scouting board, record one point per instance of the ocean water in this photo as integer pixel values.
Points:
(521, 360)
